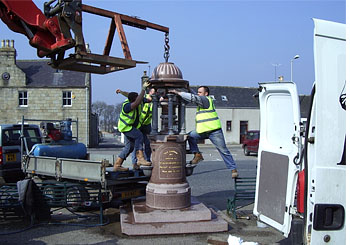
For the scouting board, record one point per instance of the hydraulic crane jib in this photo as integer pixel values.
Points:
(50, 33)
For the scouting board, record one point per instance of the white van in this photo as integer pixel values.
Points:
(313, 213)
(10, 149)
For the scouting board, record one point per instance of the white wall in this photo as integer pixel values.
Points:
(234, 115)
(250, 115)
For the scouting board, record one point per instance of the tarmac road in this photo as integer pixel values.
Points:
(211, 184)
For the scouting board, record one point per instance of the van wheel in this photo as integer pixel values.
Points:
(246, 152)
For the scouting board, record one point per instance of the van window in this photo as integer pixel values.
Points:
(11, 137)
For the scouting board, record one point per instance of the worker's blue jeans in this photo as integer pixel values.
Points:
(218, 140)
(133, 139)
(146, 129)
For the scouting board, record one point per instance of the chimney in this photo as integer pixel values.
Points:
(87, 47)
(8, 52)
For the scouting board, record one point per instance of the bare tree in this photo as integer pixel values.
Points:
(108, 115)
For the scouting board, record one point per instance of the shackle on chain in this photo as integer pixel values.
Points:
(166, 47)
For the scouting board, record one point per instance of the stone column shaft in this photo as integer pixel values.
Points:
(170, 113)
(182, 115)
(154, 114)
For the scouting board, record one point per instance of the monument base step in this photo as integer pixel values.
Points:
(157, 222)
(144, 214)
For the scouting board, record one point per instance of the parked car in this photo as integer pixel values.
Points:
(251, 142)
(10, 149)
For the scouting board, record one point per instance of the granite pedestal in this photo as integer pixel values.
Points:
(139, 219)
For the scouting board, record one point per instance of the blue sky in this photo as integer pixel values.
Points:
(224, 43)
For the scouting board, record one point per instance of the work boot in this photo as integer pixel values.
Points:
(234, 173)
(141, 160)
(118, 165)
(197, 158)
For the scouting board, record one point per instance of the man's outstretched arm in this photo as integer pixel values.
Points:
(118, 91)
(200, 101)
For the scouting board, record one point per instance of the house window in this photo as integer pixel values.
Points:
(224, 98)
(67, 98)
(228, 125)
(23, 98)
(212, 96)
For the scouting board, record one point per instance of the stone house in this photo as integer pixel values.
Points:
(33, 90)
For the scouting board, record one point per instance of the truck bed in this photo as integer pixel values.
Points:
(78, 170)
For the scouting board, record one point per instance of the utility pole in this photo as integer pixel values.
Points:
(276, 65)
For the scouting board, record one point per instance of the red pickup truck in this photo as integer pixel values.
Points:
(251, 142)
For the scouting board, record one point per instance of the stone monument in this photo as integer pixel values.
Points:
(169, 208)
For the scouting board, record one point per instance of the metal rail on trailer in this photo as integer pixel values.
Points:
(74, 183)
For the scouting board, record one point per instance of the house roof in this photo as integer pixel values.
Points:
(233, 97)
(40, 74)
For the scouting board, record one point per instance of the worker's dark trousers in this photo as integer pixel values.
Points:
(218, 139)
(133, 139)
(145, 129)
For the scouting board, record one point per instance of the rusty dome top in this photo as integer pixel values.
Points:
(166, 70)
(167, 74)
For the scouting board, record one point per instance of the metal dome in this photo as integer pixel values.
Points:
(167, 74)
(166, 71)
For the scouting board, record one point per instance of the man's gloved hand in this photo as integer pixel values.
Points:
(118, 91)
(145, 85)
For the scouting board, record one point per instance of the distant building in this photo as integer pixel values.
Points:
(33, 89)
(237, 109)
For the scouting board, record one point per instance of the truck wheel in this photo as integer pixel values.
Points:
(76, 196)
(246, 151)
(53, 194)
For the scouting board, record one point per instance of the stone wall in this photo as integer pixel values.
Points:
(17, 77)
(46, 104)
(43, 103)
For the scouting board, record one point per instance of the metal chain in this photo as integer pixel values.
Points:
(166, 47)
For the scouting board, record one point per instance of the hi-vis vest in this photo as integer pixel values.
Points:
(207, 119)
(146, 114)
(126, 120)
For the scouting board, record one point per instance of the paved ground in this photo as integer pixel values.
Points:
(211, 184)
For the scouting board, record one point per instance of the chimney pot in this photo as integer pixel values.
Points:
(87, 46)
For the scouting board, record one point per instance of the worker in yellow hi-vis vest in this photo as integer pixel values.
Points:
(127, 124)
(145, 120)
(208, 126)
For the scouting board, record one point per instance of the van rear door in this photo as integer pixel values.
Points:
(326, 147)
(278, 154)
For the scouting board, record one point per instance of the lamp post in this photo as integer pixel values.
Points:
(291, 66)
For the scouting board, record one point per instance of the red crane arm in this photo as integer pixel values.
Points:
(50, 33)
(43, 33)
(24, 10)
